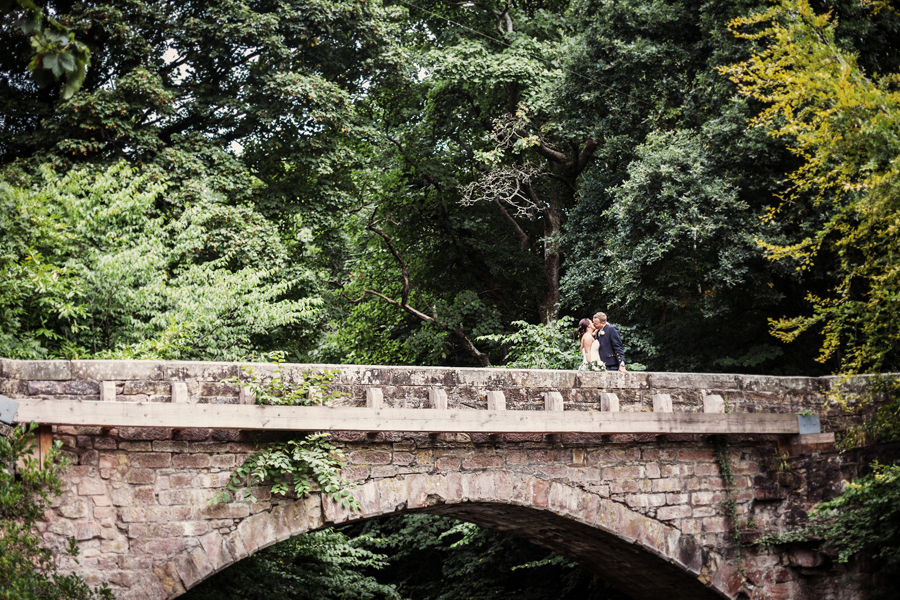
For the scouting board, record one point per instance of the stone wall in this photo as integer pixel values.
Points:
(644, 512)
(646, 516)
(408, 387)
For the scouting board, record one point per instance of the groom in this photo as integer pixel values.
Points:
(612, 354)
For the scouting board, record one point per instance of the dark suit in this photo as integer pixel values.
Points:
(612, 353)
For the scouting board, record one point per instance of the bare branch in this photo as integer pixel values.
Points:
(509, 184)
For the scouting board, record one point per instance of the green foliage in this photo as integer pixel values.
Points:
(544, 346)
(279, 389)
(843, 124)
(28, 571)
(91, 268)
(439, 557)
(663, 237)
(297, 466)
(878, 402)
(320, 564)
(301, 465)
(864, 518)
(57, 54)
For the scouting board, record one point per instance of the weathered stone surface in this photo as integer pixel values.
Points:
(137, 498)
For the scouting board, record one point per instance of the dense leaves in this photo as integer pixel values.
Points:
(322, 564)
(844, 124)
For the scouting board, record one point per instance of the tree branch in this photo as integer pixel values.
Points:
(523, 237)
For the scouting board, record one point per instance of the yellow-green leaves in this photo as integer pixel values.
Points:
(845, 126)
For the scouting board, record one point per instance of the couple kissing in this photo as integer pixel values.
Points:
(601, 344)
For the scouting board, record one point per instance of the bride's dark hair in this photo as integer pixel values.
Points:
(582, 327)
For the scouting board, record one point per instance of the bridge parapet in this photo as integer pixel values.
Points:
(645, 511)
(409, 387)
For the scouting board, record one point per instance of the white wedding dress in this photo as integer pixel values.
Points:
(592, 357)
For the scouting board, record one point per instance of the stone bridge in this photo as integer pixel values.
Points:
(646, 512)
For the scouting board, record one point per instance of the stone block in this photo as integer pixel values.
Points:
(370, 457)
(152, 460)
(82, 388)
(495, 400)
(46, 388)
(192, 434)
(190, 461)
(145, 433)
(668, 513)
(170, 446)
(553, 401)
(482, 462)
(447, 463)
(141, 476)
(230, 510)
(92, 487)
(662, 403)
(609, 402)
(169, 580)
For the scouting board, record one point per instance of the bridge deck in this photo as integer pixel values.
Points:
(324, 418)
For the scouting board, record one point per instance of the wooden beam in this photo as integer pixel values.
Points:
(324, 418)
(808, 443)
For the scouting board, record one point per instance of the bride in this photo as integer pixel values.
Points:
(590, 347)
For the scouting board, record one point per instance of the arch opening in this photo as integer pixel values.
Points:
(643, 558)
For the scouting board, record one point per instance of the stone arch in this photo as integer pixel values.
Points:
(642, 556)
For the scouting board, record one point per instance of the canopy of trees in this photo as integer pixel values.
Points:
(393, 182)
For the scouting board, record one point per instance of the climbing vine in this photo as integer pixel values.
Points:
(301, 465)
(721, 449)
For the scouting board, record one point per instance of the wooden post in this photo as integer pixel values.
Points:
(180, 392)
(713, 404)
(107, 391)
(496, 401)
(437, 398)
(553, 401)
(609, 403)
(246, 396)
(45, 441)
(374, 398)
(662, 403)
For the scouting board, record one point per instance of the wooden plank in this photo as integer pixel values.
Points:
(323, 418)
(713, 404)
(813, 438)
(496, 401)
(45, 441)
(180, 392)
(808, 443)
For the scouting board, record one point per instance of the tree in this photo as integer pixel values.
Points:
(440, 557)
(57, 54)
(319, 564)
(676, 163)
(90, 268)
(27, 570)
(844, 126)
